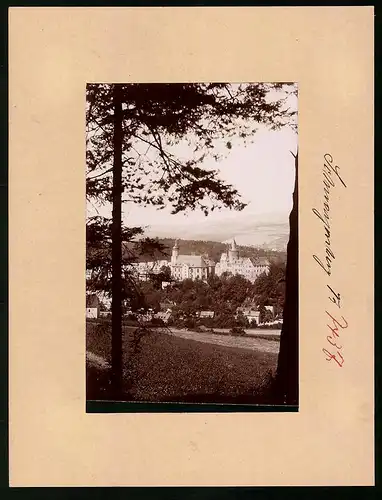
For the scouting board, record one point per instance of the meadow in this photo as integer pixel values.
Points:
(164, 368)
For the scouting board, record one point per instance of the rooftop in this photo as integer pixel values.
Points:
(92, 301)
(260, 261)
(191, 260)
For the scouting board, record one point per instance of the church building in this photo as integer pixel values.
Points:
(189, 266)
(182, 266)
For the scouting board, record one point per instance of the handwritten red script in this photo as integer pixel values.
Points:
(333, 353)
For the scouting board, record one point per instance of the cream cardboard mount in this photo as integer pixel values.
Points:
(53, 53)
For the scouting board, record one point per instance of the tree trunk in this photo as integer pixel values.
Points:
(116, 308)
(286, 386)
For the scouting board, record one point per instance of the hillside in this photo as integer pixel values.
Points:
(214, 249)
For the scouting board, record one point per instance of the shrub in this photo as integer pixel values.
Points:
(157, 322)
(198, 329)
(97, 382)
(237, 331)
(189, 323)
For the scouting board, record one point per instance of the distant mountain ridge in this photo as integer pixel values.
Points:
(270, 232)
(279, 244)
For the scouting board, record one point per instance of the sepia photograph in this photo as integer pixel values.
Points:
(192, 243)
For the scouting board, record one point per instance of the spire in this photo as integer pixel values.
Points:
(233, 252)
(175, 252)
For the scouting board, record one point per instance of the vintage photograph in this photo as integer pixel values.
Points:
(192, 243)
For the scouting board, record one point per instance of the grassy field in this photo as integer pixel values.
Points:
(259, 334)
(164, 368)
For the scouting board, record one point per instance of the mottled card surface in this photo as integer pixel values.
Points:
(248, 94)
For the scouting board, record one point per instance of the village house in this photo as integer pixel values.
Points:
(271, 309)
(181, 266)
(92, 306)
(205, 314)
(251, 313)
(163, 315)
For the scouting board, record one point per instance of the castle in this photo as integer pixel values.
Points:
(232, 263)
(190, 266)
(201, 267)
(181, 266)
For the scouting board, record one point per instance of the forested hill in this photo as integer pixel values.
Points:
(214, 249)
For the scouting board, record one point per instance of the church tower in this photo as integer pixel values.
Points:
(233, 252)
(175, 253)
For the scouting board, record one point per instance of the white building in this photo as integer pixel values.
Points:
(189, 266)
(144, 269)
(205, 314)
(232, 263)
(163, 315)
(92, 306)
(181, 266)
(251, 313)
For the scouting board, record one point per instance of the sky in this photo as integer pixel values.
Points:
(262, 172)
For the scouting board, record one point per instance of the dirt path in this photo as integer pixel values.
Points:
(250, 343)
(253, 333)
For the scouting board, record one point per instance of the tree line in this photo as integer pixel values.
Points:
(222, 295)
